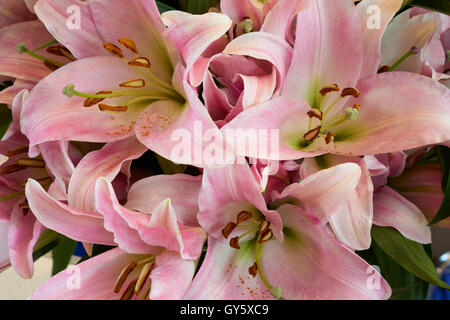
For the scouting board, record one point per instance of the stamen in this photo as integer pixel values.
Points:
(136, 83)
(129, 44)
(350, 92)
(265, 236)
(146, 295)
(315, 113)
(89, 102)
(253, 270)
(124, 275)
(312, 134)
(31, 163)
(115, 50)
(51, 66)
(140, 62)
(61, 51)
(229, 228)
(234, 243)
(328, 89)
(357, 106)
(383, 69)
(129, 291)
(143, 277)
(330, 137)
(24, 205)
(22, 47)
(17, 151)
(11, 169)
(243, 216)
(11, 196)
(411, 52)
(264, 226)
(105, 107)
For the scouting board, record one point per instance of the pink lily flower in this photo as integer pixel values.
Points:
(280, 249)
(130, 78)
(332, 99)
(162, 246)
(20, 229)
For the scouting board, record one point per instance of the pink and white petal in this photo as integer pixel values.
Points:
(96, 278)
(57, 160)
(7, 95)
(319, 57)
(283, 121)
(402, 34)
(320, 193)
(238, 10)
(171, 276)
(373, 30)
(22, 236)
(183, 190)
(216, 100)
(13, 11)
(257, 89)
(61, 18)
(55, 215)
(196, 33)
(311, 264)
(23, 66)
(106, 162)
(393, 210)
(50, 115)
(227, 191)
(224, 275)
(393, 119)
(280, 18)
(264, 46)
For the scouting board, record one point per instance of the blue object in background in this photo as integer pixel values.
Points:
(79, 250)
(438, 293)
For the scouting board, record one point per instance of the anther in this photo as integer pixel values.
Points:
(140, 62)
(328, 89)
(229, 228)
(330, 137)
(129, 291)
(243, 216)
(17, 151)
(143, 277)
(264, 226)
(357, 106)
(115, 50)
(105, 107)
(315, 113)
(312, 134)
(60, 51)
(11, 169)
(124, 275)
(383, 69)
(89, 102)
(135, 83)
(234, 243)
(31, 163)
(51, 66)
(350, 92)
(129, 44)
(265, 236)
(253, 270)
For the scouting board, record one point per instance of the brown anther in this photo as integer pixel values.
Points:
(129, 291)
(135, 83)
(105, 107)
(350, 92)
(414, 50)
(383, 69)
(330, 137)
(253, 270)
(315, 113)
(146, 295)
(89, 102)
(124, 275)
(31, 163)
(17, 151)
(229, 228)
(265, 236)
(357, 106)
(24, 205)
(328, 89)
(55, 50)
(140, 62)
(243, 216)
(51, 66)
(129, 44)
(11, 169)
(143, 277)
(312, 134)
(234, 243)
(264, 226)
(115, 50)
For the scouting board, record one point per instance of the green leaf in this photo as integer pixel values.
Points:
(444, 158)
(5, 119)
(96, 250)
(169, 167)
(62, 254)
(201, 6)
(435, 5)
(162, 7)
(409, 254)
